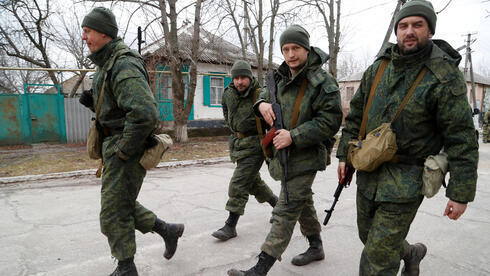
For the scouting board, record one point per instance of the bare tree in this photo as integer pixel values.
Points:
(28, 25)
(71, 42)
(182, 106)
(330, 14)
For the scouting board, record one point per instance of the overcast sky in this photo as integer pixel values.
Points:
(365, 24)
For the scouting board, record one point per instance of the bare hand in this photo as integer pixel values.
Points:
(454, 210)
(267, 112)
(282, 139)
(341, 170)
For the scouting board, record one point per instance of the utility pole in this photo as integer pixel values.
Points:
(469, 62)
(140, 39)
(392, 22)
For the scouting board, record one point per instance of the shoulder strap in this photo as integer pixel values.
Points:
(259, 125)
(381, 69)
(298, 102)
(101, 96)
(410, 92)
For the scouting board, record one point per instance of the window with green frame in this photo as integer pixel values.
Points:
(213, 88)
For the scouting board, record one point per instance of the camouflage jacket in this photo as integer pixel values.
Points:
(319, 119)
(486, 118)
(239, 116)
(437, 115)
(128, 104)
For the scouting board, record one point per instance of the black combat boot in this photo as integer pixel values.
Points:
(273, 201)
(260, 269)
(412, 259)
(125, 268)
(170, 232)
(229, 230)
(313, 253)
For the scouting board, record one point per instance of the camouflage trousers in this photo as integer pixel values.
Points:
(246, 181)
(486, 133)
(383, 227)
(300, 208)
(120, 213)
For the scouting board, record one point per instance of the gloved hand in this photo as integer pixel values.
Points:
(87, 98)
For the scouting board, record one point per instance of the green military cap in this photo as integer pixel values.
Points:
(295, 34)
(241, 68)
(418, 8)
(102, 20)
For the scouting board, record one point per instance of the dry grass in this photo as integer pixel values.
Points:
(25, 160)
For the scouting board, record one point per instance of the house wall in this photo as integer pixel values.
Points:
(347, 91)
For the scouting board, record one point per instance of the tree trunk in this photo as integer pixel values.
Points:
(181, 132)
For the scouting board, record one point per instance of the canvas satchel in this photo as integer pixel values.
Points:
(95, 137)
(153, 155)
(379, 145)
(435, 169)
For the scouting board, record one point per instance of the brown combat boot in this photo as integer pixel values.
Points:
(229, 230)
(170, 232)
(260, 269)
(313, 253)
(125, 268)
(412, 259)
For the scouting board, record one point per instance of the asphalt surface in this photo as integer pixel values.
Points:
(50, 226)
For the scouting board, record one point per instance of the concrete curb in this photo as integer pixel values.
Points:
(26, 178)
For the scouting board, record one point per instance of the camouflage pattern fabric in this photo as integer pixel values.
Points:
(486, 127)
(437, 115)
(383, 227)
(246, 180)
(128, 105)
(319, 119)
(120, 213)
(300, 209)
(246, 152)
(320, 115)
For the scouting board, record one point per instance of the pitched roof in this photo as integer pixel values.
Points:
(214, 49)
(478, 78)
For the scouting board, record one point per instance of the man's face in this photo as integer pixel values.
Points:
(294, 55)
(241, 83)
(412, 34)
(94, 39)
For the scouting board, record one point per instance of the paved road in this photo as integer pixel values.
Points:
(50, 227)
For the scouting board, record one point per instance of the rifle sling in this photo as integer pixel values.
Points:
(302, 91)
(259, 124)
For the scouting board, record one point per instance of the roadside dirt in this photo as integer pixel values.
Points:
(51, 158)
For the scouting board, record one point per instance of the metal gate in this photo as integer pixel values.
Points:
(32, 118)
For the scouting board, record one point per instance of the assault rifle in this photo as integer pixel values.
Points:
(344, 182)
(278, 124)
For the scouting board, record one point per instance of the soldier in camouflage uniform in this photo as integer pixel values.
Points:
(128, 116)
(436, 116)
(486, 127)
(245, 148)
(320, 116)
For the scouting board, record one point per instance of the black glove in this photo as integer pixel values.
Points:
(87, 98)
(151, 141)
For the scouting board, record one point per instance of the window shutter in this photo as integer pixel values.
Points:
(227, 81)
(206, 89)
